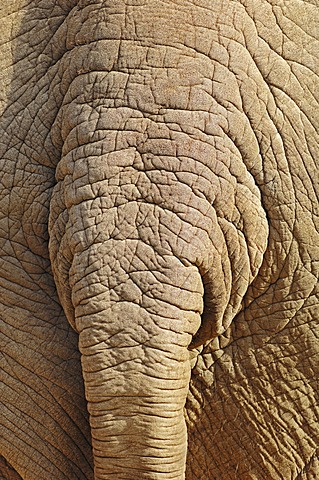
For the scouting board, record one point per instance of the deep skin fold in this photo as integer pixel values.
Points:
(263, 367)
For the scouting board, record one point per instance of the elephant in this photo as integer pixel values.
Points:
(159, 239)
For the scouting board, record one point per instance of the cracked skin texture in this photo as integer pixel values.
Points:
(159, 239)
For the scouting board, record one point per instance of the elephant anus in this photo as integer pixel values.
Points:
(159, 238)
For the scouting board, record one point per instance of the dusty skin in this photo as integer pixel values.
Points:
(159, 245)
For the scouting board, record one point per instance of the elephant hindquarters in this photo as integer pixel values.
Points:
(129, 252)
(153, 225)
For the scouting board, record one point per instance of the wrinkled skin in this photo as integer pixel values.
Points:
(159, 239)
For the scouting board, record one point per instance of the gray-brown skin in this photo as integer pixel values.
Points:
(159, 207)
